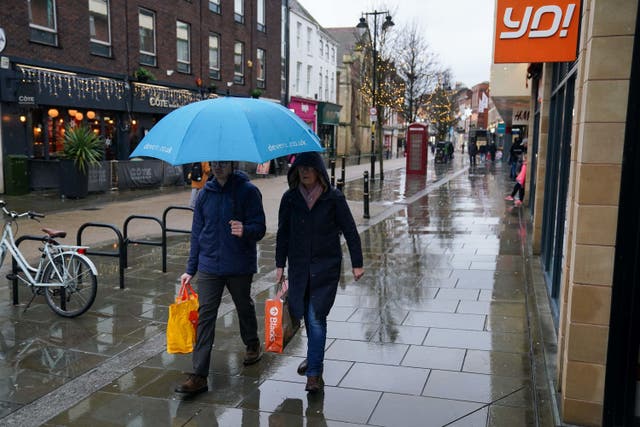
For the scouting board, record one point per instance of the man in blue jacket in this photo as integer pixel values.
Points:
(228, 221)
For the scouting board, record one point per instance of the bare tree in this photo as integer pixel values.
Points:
(418, 66)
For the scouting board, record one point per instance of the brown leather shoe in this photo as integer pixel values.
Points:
(302, 368)
(314, 384)
(253, 354)
(193, 385)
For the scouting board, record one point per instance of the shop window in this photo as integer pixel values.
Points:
(147, 30)
(214, 56)
(183, 48)
(42, 22)
(260, 68)
(100, 27)
(238, 63)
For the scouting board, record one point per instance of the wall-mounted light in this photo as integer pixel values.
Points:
(91, 115)
(23, 119)
(249, 63)
(134, 122)
(169, 72)
(53, 113)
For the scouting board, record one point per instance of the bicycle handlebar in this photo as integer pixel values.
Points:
(14, 214)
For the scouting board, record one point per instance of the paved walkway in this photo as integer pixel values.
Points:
(442, 330)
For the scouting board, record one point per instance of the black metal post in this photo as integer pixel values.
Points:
(340, 185)
(366, 195)
(332, 164)
(343, 172)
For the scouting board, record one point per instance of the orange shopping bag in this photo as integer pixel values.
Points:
(279, 326)
(183, 319)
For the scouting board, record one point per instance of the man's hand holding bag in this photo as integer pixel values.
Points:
(183, 320)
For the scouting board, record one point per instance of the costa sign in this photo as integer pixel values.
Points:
(536, 31)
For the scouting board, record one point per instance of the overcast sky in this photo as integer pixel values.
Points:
(459, 31)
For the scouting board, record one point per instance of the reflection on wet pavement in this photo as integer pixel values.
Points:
(434, 334)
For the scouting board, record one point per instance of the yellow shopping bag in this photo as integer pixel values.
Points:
(183, 320)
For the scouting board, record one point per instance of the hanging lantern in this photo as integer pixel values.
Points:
(79, 116)
(91, 115)
(53, 113)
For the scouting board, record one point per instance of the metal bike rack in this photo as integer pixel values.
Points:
(14, 265)
(120, 253)
(164, 220)
(162, 243)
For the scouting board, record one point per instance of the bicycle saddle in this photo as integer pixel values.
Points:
(55, 233)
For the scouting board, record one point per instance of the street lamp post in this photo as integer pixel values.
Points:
(362, 27)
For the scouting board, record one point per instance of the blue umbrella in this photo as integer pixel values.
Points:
(243, 129)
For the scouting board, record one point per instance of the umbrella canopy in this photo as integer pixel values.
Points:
(243, 129)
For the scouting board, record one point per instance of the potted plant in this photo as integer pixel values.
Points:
(256, 93)
(82, 148)
(144, 75)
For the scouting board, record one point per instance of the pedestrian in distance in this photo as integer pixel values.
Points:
(228, 221)
(473, 151)
(519, 185)
(311, 217)
(199, 177)
(515, 153)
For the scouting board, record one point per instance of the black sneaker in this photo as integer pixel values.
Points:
(193, 385)
(253, 354)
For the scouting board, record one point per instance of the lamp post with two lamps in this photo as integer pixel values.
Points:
(362, 28)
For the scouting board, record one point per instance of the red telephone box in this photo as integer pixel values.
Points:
(417, 137)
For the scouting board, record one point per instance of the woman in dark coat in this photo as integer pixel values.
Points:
(311, 217)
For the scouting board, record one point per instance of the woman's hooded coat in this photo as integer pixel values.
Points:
(309, 239)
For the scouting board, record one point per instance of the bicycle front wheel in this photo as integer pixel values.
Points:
(79, 284)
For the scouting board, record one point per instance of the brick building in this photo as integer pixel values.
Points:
(121, 65)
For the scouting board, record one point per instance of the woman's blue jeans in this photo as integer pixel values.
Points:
(316, 339)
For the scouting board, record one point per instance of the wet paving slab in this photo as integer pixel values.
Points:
(434, 334)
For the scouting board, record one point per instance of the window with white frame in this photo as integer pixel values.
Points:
(321, 48)
(100, 27)
(214, 56)
(147, 31)
(326, 52)
(319, 94)
(238, 63)
(42, 22)
(326, 85)
(238, 11)
(260, 68)
(298, 35)
(183, 47)
(309, 33)
(333, 85)
(333, 55)
(260, 18)
(308, 85)
(298, 72)
(214, 6)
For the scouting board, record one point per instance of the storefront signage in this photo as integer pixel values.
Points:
(26, 94)
(520, 117)
(536, 31)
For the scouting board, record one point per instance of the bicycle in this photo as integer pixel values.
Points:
(65, 275)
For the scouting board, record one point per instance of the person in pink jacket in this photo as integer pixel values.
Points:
(519, 185)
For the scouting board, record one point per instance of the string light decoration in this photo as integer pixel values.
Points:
(56, 82)
(172, 98)
(441, 112)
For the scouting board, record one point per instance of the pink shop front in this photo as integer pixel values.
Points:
(306, 109)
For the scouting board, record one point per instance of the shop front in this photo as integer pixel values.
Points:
(328, 121)
(306, 109)
(38, 104)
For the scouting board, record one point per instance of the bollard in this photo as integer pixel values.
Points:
(340, 185)
(366, 195)
(342, 175)
(332, 164)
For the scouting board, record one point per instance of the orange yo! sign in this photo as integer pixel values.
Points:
(536, 31)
